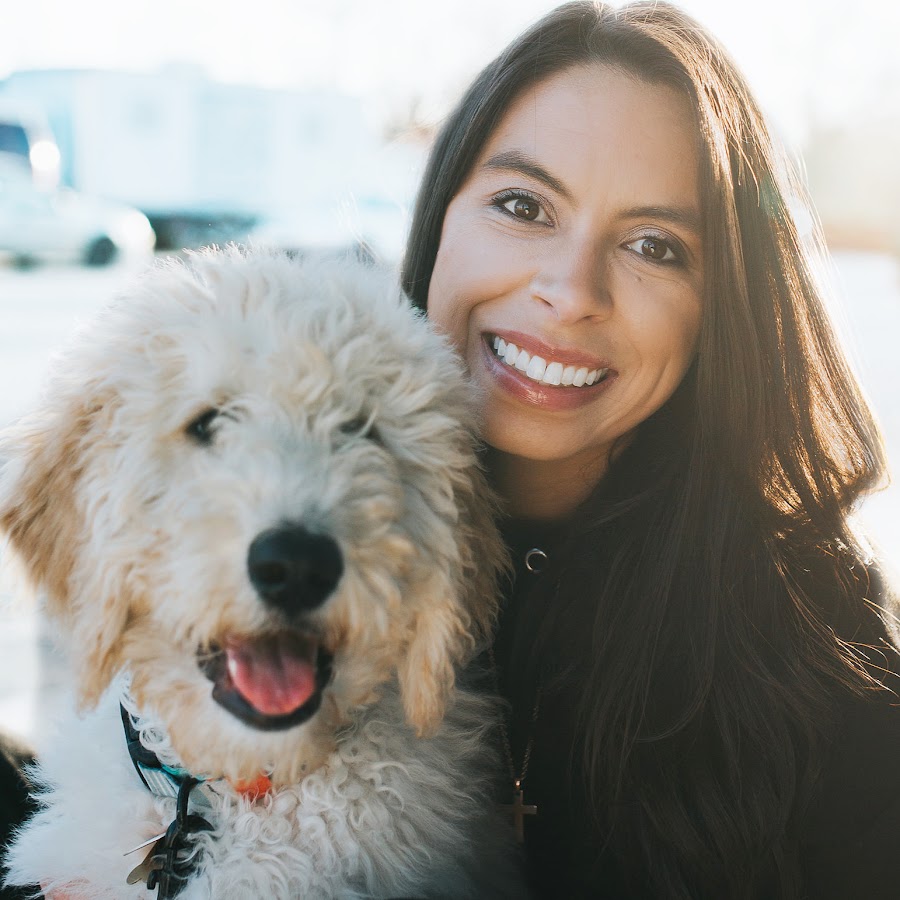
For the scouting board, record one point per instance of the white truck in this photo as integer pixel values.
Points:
(205, 160)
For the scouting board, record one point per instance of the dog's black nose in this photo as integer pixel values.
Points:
(293, 569)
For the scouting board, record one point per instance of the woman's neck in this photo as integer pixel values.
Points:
(543, 490)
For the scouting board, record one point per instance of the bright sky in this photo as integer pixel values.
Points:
(828, 58)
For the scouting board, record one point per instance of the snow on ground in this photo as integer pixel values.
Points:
(39, 308)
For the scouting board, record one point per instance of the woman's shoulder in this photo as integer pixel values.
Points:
(850, 833)
(864, 743)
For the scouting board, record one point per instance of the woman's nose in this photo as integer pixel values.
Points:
(572, 281)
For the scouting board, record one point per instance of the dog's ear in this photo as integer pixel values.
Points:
(41, 467)
(484, 559)
(439, 634)
(458, 605)
(38, 510)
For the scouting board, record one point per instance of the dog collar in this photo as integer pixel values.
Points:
(172, 859)
(166, 781)
(161, 780)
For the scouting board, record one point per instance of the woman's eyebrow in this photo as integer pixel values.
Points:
(676, 215)
(521, 162)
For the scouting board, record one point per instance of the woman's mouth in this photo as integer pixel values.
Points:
(549, 372)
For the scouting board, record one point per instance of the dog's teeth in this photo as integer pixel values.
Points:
(512, 352)
(501, 348)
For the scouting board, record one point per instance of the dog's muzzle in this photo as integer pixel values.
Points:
(270, 682)
(275, 680)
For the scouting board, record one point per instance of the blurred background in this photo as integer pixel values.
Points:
(141, 128)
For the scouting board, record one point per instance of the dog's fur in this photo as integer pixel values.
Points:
(339, 409)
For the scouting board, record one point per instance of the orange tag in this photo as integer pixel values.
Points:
(253, 788)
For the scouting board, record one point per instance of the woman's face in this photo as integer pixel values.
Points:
(569, 272)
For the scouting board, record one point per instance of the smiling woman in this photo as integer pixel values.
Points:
(693, 646)
(574, 240)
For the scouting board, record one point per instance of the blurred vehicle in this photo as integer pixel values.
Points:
(304, 239)
(26, 140)
(64, 225)
(202, 159)
(370, 227)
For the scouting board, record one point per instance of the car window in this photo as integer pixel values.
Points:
(13, 139)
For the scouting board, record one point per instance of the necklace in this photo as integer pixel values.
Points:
(518, 809)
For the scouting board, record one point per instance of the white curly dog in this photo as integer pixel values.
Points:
(252, 499)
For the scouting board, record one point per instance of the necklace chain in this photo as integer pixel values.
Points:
(504, 732)
(535, 561)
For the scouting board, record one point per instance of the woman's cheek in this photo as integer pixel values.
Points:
(447, 314)
(450, 289)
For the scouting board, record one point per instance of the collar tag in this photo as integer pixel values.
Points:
(161, 780)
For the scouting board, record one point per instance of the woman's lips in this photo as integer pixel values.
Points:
(551, 397)
(550, 371)
(536, 347)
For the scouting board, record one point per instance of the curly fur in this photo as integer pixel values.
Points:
(339, 409)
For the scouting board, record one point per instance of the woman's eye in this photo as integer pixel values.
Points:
(521, 206)
(200, 428)
(655, 249)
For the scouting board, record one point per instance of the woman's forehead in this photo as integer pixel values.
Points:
(597, 122)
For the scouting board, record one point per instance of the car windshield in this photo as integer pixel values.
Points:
(13, 139)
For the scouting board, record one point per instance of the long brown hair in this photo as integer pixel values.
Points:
(729, 599)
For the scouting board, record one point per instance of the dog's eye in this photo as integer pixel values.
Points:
(360, 426)
(200, 428)
(355, 426)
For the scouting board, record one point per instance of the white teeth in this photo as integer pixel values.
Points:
(553, 373)
(538, 369)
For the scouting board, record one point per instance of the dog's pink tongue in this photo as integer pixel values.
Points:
(276, 674)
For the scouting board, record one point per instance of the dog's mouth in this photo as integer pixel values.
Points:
(270, 682)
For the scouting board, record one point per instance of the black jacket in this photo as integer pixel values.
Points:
(843, 844)
(15, 803)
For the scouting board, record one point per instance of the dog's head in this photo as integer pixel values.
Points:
(252, 484)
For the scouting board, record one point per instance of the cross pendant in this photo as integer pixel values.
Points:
(519, 809)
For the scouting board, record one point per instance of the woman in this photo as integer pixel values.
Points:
(694, 661)
(698, 675)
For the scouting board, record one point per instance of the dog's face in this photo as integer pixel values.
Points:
(252, 485)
